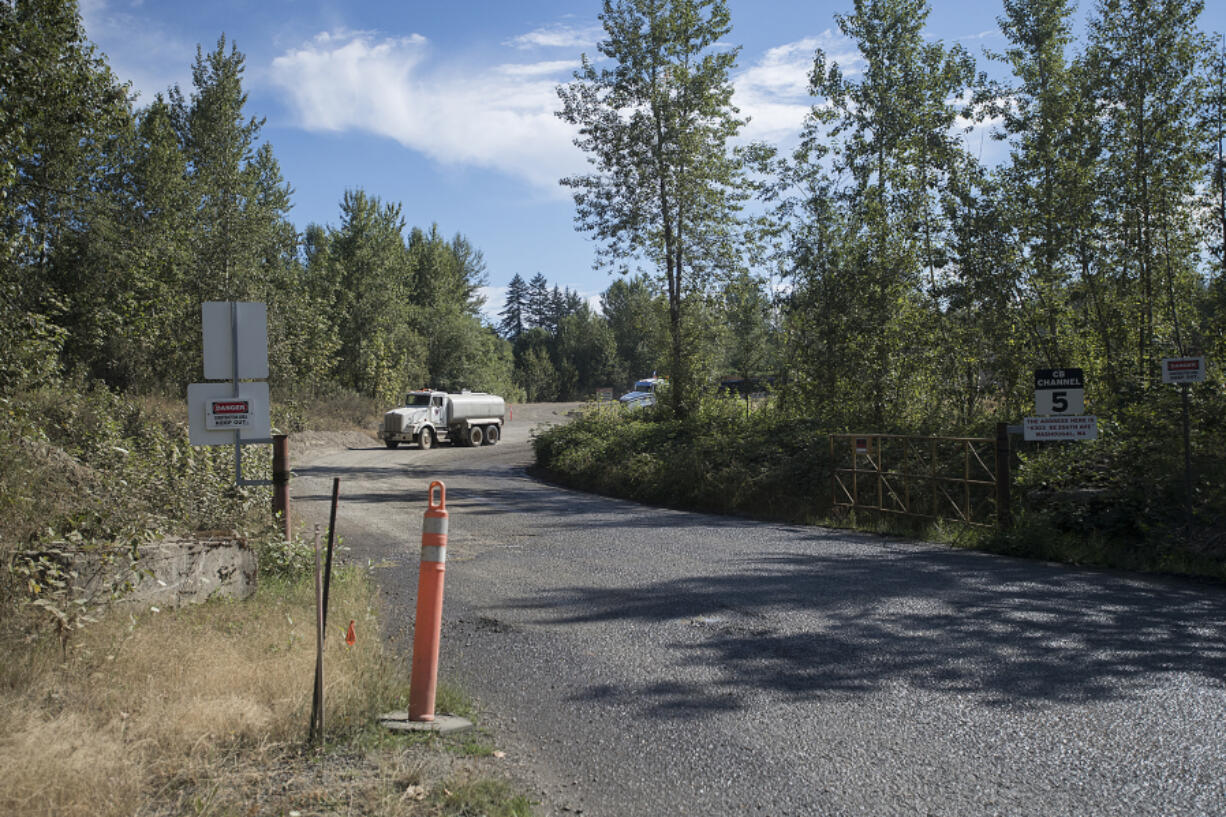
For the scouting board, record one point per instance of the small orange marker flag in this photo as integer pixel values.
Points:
(351, 637)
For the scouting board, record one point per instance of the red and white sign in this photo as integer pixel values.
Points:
(1183, 369)
(227, 415)
(1082, 427)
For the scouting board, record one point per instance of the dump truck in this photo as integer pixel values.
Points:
(428, 416)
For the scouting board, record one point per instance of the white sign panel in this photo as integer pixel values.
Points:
(1059, 392)
(1183, 369)
(219, 340)
(214, 413)
(1060, 428)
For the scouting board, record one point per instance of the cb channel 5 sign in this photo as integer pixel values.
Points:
(1059, 392)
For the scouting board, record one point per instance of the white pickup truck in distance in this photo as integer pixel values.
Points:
(468, 418)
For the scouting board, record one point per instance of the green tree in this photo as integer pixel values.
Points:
(586, 354)
(900, 167)
(380, 352)
(537, 303)
(638, 320)
(534, 371)
(656, 126)
(749, 344)
(514, 310)
(234, 216)
(62, 115)
(1143, 58)
(1037, 111)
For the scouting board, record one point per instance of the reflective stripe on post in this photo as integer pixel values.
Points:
(427, 626)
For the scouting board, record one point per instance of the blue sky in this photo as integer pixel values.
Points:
(447, 107)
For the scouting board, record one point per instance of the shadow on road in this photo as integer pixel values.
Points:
(1002, 631)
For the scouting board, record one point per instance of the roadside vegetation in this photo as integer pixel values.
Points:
(136, 710)
(1115, 502)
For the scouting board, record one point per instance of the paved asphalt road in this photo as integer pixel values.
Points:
(639, 661)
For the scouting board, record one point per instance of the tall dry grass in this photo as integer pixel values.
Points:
(146, 711)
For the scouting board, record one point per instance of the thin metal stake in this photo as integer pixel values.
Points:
(238, 446)
(1187, 460)
(317, 703)
(336, 493)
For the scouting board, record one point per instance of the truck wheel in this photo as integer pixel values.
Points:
(426, 438)
(491, 435)
(391, 443)
(476, 436)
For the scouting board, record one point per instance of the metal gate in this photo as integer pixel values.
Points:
(961, 479)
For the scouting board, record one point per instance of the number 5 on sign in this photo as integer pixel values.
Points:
(1051, 402)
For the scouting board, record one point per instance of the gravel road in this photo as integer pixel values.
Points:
(640, 661)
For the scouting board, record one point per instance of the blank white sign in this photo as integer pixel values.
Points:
(219, 340)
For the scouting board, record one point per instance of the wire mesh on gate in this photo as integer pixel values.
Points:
(950, 478)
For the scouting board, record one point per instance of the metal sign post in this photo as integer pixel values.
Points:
(1185, 371)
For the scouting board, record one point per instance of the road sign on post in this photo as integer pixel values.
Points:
(1183, 369)
(1042, 429)
(1059, 392)
(213, 413)
(235, 339)
(1059, 400)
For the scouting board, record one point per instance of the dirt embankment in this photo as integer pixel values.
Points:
(307, 443)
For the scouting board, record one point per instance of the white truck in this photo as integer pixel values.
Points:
(468, 418)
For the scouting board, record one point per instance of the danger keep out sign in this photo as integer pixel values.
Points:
(227, 415)
(1183, 369)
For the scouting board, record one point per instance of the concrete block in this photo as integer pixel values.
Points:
(170, 572)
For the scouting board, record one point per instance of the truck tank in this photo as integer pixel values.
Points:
(475, 406)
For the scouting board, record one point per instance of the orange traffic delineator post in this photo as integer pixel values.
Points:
(423, 681)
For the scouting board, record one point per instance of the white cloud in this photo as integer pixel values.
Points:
(500, 118)
(536, 69)
(774, 91)
(558, 36)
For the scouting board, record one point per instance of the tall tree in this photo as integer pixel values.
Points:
(61, 115)
(537, 312)
(1143, 59)
(380, 352)
(656, 126)
(749, 346)
(1036, 112)
(236, 217)
(903, 164)
(1212, 126)
(514, 308)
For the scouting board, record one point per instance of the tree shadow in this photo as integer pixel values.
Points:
(811, 626)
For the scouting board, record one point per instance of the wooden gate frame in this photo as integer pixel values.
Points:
(892, 488)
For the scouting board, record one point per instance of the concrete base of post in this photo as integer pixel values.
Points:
(442, 724)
